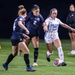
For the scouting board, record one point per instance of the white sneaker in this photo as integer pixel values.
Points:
(72, 52)
(35, 64)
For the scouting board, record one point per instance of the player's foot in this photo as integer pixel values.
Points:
(5, 66)
(72, 52)
(30, 69)
(48, 58)
(35, 64)
(63, 64)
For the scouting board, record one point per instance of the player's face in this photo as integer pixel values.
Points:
(54, 14)
(36, 12)
(72, 8)
(25, 15)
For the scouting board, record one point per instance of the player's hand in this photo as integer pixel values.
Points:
(27, 31)
(25, 36)
(45, 28)
(73, 29)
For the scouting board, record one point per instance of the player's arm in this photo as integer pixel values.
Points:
(44, 27)
(23, 27)
(68, 27)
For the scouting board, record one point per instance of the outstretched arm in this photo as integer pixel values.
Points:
(68, 27)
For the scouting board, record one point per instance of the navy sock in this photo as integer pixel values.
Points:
(26, 59)
(35, 54)
(9, 59)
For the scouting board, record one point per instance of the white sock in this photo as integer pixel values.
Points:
(48, 53)
(60, 53)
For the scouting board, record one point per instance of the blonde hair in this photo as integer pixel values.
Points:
(20, 7)
(21, 10)
(53, 9)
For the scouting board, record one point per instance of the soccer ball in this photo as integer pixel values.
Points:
(57, 62)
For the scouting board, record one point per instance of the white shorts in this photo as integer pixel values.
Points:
(50, 37)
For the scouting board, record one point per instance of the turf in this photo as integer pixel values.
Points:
(17, 66)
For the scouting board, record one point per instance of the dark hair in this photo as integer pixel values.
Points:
(35, 7)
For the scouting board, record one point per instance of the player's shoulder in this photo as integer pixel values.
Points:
(57, 19)
(40, 15)
(48, 19)
(20, 18)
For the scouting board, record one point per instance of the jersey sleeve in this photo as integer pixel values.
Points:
(20, 19)
(47, 21)
(60, 22)
(42, 19)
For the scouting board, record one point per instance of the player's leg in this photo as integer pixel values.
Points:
(35, 41)
(49, 52)
(10, 57)
(27, 41)
(72, 37)
(57, 44)
(25, 49)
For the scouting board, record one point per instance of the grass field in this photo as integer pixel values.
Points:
(17, 66)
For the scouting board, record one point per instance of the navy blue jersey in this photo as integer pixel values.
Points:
(33, 22)
(17, 31)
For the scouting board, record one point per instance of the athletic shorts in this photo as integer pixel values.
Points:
(15, 42)
(50, 37)
(33, 35)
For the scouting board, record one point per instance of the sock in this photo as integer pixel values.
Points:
(48, 53)
(60, 53)
(35, 54)
(9, 59)
(26, 59)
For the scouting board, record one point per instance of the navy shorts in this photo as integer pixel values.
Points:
(32, 35)
(15, 42)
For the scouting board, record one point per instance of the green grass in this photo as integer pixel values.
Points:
(17, 66)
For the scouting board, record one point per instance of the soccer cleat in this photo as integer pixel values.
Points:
(30, 69)
(72, 52)
(5, 66)
(48, 58)
(35, 64)
(63, 64)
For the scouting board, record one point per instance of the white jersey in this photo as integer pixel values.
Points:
(52, 33)
(53, 24)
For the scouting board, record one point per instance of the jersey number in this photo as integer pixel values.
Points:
(14, 27)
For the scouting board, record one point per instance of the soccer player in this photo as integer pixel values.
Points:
(71, 22)
(33, 21)
(17, 40)
(51, 34)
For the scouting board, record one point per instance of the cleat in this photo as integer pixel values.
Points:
(30, 69)
(48, 58)
(72, 52)
(35, 64)
(5, 66)
(63, 64)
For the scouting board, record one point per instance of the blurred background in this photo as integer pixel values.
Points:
(9, 8)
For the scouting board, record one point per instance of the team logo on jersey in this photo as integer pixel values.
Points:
(20, 19)
(37, 19)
